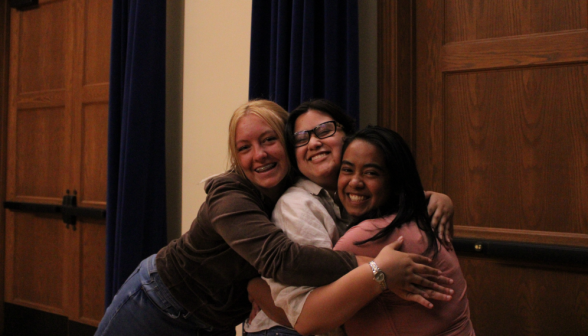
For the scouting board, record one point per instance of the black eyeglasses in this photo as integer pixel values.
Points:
(324, 130)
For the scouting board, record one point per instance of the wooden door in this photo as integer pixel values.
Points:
(502, 127)
(499, 122)
(57, 144)
(4, 55)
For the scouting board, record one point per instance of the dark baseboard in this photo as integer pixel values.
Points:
(80, 329)
(21, 321)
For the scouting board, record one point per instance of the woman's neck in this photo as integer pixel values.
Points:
(277, 191)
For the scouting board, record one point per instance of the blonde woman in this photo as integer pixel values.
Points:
(196, 285)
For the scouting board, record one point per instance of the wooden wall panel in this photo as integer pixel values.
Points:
(91, 82)
(94, 154)
(475, 20)
(507, 298)
(502, 127)
(57, 141)
(43, 42)
(37, 262)
(93, 266)
(42, 154)
(4, 70)
(516, 145)
(396, 82)
(92, 104)
(97, 41)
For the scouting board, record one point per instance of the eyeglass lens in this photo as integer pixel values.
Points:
(322, 131)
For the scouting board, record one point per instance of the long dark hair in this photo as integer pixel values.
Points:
(322, 105)
(407, 196)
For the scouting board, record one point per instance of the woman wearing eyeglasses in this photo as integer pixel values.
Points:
(309, 213)
(197, 284)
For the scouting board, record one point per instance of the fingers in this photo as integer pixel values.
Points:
(444, 233)
(424, 277)
(420, 268)
(440, 229)
(441, 224)
(422, 260)
(448, 235)
(431, 294)
(254, 311)
(440, 279)
(420, 296)
(397, 244)
(434, 220)
(432, 209)
(425, 284)
(415, 298)
(440, 208)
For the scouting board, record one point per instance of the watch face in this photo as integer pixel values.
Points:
(380, 276)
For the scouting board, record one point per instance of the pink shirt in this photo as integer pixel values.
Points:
(389, 314)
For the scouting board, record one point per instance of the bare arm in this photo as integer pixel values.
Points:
(405, 276)
(339, 301)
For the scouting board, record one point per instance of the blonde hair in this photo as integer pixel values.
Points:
(273, 114)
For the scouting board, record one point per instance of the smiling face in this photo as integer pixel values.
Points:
(363, 181)
(260, 154)
(320, 159)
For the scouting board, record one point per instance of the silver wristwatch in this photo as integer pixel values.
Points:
(379, 276)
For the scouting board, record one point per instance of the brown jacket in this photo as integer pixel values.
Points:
(231, 241)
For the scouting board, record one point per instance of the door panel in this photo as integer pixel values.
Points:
(501, 125)
(523, 134)
(42, 57)
(92, 79)
(93, 163)
(41, 170)
(36, 261)
(4, 83)
(90, 82)
(97, 42)
(57, 145)
(467, 20)
(92, 270)
(505, 134)
(508, 298)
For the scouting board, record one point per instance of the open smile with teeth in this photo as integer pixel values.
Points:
(357, 198)
(266, 167)
(318, 156)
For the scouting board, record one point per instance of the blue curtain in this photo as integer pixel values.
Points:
(136, 210)
(303, 49)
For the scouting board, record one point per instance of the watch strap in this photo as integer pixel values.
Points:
(379, 275)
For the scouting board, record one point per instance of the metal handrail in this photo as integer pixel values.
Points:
(530, 252)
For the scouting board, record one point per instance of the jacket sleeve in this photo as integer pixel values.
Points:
(237, 215)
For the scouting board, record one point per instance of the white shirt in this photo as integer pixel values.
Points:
(308, 215)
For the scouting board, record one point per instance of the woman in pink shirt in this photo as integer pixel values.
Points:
(380, 187)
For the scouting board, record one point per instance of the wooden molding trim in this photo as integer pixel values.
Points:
(525, 236)
(540, 49)
(397, 67)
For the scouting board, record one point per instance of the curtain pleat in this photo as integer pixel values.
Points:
(136, 202)
(303, 49)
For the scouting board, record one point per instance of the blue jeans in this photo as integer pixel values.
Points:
(275, 331)
(144, 306)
